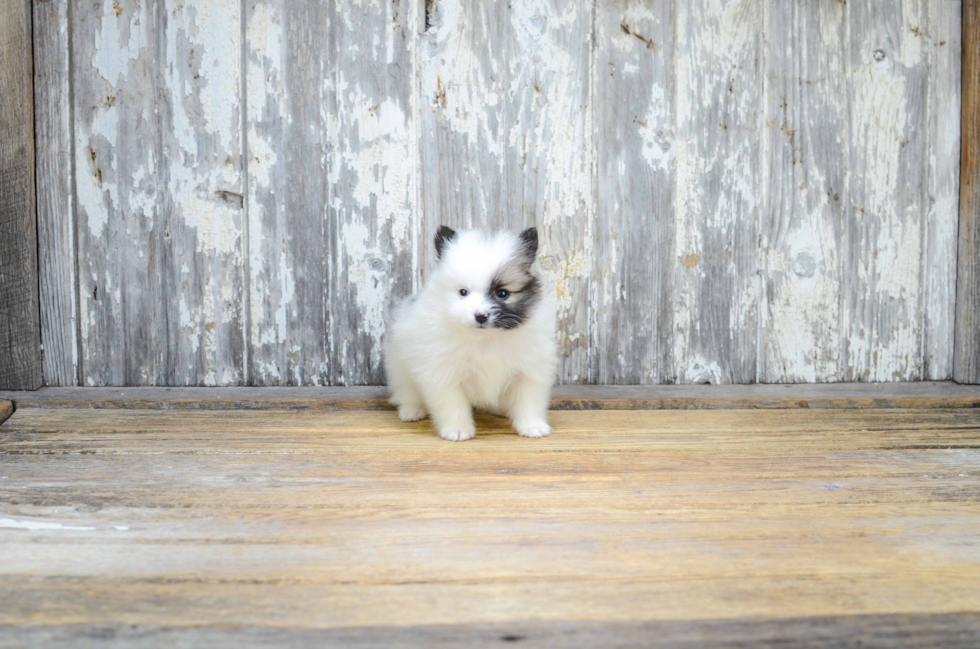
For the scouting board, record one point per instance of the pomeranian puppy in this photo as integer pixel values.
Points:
(480, 334)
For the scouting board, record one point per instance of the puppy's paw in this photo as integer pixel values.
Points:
(538, 428)
(457, 434)
(411, 413)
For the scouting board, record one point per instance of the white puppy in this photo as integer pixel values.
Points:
(480, 334)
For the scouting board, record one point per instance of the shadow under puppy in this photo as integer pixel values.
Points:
(480, 334)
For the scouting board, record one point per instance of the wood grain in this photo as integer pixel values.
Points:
(566, 397)
(186, 522)
(20, 327)
(944, 50)
(290, 245)
(374, 203)
(887, 191)
(717, 203)
(967, 360)
(958, 630)
(806, 192)
(55, 193)
(635, 162)
(158, 173)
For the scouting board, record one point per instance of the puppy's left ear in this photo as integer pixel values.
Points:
(529, 243)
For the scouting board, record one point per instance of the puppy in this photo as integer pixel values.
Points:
(480, 334)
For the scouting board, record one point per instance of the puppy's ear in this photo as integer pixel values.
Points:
(444, 236)
(529, 243)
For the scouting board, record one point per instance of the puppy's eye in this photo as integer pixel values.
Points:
(503, 294)
(463, 292)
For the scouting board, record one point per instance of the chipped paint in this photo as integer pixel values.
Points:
(844, 270)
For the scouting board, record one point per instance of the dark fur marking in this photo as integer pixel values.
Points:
(444, 236)
(511, 312)
(529, 243)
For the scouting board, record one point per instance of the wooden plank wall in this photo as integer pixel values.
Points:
(967, 360)
(733, 192)
(20, 343)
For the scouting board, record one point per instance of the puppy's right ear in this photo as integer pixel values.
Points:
(444, 236)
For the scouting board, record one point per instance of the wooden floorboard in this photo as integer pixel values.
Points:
(304, 527)
(934, 394)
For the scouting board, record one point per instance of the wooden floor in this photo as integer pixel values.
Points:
(129, 524)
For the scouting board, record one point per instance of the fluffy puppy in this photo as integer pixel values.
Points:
(480, 334)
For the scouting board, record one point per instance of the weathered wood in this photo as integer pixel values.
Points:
(764, 200)
(55, 197)
(966, 366)
(507, 139)
(887, 207)
(373, 170)
(943, 43)
(332, 196)
(159, 181)
(352, 520)
(804, 191)
(20, 327)
(566, 397)
(955, 630)
(635, 161)
(290, 247)
(717, 203)
(6, 409)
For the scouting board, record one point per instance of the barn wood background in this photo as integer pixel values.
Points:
(232, 191)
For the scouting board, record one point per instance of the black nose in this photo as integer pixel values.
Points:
(481, 317)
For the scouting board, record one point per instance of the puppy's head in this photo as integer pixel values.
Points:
(487, 281)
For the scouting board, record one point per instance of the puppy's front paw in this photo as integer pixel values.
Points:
(457, 434)
(411, 413)
(533, 429)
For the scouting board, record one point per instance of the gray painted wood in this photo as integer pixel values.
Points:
(886, 207)
(967, 361)
(159, 185)
(373, 172)
(951, 631)
(725, 192)
(805, 191)
(55, 198)
(290, 251)
(20, 327)
(506, 142)
(332, 191)
(945, 45)
(636, 172)
(717, 206)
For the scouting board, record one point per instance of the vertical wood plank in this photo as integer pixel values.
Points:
(717, 206)
(635, 158)
(966, 368)
(944, 46)
(290, 241)
(20, 327)
(805, 165)
(888, 175)
(332, 197)
(507, 139)
(55, 202)
(372, 173)
(159, 186)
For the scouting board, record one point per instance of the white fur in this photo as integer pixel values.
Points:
(440, 362)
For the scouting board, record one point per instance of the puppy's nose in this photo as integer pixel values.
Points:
(481, 317)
